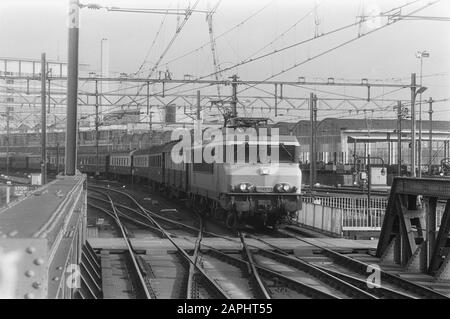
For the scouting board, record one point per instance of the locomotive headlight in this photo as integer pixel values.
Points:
(284, 188)
(245, 187)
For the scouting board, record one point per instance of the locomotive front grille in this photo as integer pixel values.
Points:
(264, 189)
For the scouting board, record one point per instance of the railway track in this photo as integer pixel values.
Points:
(142, 288)
(250, 284)
(394, 285)
(206, 283)
(273, 272)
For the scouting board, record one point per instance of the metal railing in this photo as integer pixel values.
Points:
(356, 213)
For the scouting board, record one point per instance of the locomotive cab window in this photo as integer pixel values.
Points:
(287, 153)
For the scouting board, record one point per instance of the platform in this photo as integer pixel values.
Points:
(37, 209)
(41, 237)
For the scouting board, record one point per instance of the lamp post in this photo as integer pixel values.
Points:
(421, 55)
(414, 93)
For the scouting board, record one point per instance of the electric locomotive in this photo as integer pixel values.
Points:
(249, 190)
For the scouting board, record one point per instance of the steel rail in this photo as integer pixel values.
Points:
(268, 273)
(361, 268)
(191, 268)
(349, 285)
(137, 269)
(380, 292)
(191, 278)
(341, 281)
(125, 216)
(218, 290)
(174, 222)
(330, 280)
(156, 216)
(123, 207)
(262, 290)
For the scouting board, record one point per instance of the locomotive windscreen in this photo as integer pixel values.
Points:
(287, 153)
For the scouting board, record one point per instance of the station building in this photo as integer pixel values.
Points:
(338, 140)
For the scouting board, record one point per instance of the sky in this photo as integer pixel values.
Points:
(29, 27)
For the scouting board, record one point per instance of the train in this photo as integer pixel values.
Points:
(238, 193)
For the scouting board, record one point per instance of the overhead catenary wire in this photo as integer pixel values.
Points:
(153, 43)
(222, 34)
(296, 65)
(281, 35)
(206, 86)
(174, 37)
(169, 45)
(277, 51)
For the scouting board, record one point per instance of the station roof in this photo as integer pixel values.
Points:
(383, 124)
(334, 125)
(361, 139)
